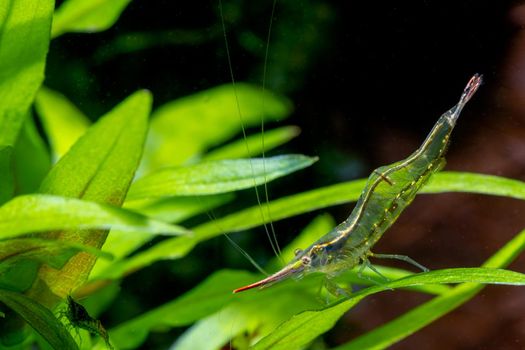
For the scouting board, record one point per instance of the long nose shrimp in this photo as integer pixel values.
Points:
(388, 191)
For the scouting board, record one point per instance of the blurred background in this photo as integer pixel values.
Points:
(368, 80)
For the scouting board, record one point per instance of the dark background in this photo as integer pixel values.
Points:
(368, 81)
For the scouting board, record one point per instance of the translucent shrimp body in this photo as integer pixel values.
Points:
(389, 190)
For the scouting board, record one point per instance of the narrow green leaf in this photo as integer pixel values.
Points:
(63, 122)
(176, 132)
(421, 316)
(254, 145)
(87, 16)
(39, 213)
(24, 33)
(301, 329)
(40, 319)
(218, 176)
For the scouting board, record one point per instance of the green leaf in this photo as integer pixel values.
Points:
(301, 329)
(98, 168)
(38, 213)
(24, 33)
(32, 160)
(254, 145)
(176, 132)
(178, 247)
(26, 254)
(7, 184)
(45, 251)
(24, 29)
(101, 165)
(87, 16)
(63, 122)
(421, 316)
(215, 177)
(40, 319)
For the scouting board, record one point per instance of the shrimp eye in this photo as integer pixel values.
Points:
(306, 260)
(298, 252)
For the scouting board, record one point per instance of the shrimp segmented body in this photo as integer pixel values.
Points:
(389, 190)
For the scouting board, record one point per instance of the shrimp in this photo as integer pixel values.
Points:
(78, 316)
(389, 190)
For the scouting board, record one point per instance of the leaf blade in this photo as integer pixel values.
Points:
(39, 213)
(216, 177)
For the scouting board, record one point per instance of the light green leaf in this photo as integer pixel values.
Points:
(40, 319)
(39, 213)
(218, 176)
(24, 33)
(101, 165)
(254, 145)
(87, 16)
(98, 168)
(176, 132)
(24, 29)
(421, 316)
(301, 329)
(63, 122)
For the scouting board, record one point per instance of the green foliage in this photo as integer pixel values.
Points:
(84, 224)
(87, 16)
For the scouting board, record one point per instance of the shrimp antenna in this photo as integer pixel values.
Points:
(274, 245)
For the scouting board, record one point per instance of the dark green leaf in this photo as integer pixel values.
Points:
(40, 319)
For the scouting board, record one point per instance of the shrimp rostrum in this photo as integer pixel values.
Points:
(388, 191)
